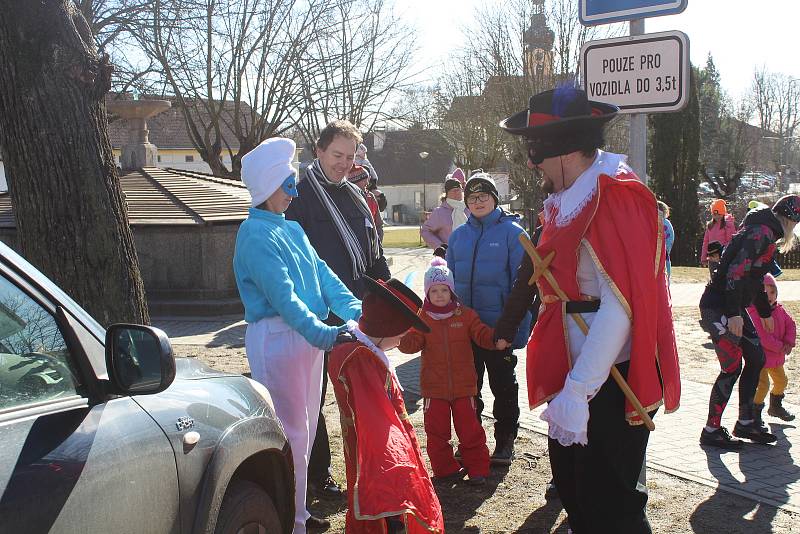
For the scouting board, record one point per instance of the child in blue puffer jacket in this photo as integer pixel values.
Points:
(287, 292)
(484, 255)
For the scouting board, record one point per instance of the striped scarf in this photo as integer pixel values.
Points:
(360, 260)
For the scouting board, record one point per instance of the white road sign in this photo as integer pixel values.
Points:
(640, 74)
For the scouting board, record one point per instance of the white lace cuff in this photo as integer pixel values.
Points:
(352, 327)
(568, 414)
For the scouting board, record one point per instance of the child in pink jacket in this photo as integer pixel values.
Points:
(777, 345)
(720, 228)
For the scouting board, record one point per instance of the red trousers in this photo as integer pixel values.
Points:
(471, 437)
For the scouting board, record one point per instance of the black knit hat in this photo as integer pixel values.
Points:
(481, 183)
(450, 184)
(789, 207)
(714, 247)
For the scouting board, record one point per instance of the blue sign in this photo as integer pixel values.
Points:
(593, 12)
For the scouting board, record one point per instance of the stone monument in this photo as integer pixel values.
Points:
(139, 152)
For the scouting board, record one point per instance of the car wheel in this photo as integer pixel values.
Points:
(247, 509)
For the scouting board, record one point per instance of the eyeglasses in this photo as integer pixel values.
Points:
(480, 197)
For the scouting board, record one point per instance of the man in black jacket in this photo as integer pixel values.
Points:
(337, 220)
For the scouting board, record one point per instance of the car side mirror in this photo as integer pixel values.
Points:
(139, 359)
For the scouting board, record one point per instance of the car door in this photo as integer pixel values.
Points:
(70, 462)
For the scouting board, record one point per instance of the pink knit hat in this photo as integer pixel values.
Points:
(458, 174)
(769, 280)
(438, 273)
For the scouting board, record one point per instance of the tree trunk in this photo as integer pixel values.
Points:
(71, 218)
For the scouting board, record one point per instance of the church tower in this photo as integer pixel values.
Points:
(538, 46)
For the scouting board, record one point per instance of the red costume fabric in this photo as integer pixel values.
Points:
(623, 231)
(386, 474)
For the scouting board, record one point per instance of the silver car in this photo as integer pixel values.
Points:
(104, 431)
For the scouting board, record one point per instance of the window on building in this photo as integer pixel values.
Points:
(189, 159)
(159, 159)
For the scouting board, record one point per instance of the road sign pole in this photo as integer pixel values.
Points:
(637, 156)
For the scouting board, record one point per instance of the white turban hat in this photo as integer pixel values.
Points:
(266, 167)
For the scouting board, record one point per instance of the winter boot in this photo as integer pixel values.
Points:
(776, 408)
(757, 411)
(503, 450)
(753, 432)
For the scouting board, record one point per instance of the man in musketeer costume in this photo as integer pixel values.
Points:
(388, 488)
(602, 353)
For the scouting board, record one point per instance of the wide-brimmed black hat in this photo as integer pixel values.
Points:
(558, 112)
(411, 297)
(386, 311)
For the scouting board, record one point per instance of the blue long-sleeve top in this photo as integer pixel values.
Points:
(278, 272)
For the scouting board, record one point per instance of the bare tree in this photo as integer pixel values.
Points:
(775, 98)
(490, 78)
(70, 214)
(356, 62)
(231, 67)
(419, 107)
(110, 22)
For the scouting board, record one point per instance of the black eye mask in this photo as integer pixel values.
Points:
(540, 149)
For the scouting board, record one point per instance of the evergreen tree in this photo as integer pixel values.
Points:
(675, 169)
(711, 104)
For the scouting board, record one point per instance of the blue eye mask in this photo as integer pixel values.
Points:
(289, 186)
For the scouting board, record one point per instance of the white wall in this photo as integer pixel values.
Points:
(405, 194)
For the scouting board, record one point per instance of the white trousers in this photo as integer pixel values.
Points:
(291, 369)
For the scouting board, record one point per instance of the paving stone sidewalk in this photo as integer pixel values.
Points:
(766, 474)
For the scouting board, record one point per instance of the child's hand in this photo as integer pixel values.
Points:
(787, 349)
(501, 344)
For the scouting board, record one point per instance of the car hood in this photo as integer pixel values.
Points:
(194, 369)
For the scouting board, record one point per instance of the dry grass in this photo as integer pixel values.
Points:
(402, 238)
(688, 275)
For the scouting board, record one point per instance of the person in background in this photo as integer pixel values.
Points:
(737, 283)
(484, 255)
(361, 159)
(449, 215)
(713, 254)
(447, 378)
(720, 228)
(359, 176)
(337, 219)
(669, 233)
(777, 344)
(287, 292)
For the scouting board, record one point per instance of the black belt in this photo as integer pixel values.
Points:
(583, 306)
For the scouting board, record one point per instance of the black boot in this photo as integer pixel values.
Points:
(317, 524)
(503, 449)
(753, 432)
(776, 408)
(757, 410)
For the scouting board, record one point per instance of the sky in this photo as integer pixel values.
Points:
(741, 35)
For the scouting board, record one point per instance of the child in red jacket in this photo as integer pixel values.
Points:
(448, 379)
(777, 345)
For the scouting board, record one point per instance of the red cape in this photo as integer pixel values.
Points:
(625, 235)
(386, 474)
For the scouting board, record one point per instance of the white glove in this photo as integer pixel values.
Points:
(568, 414)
